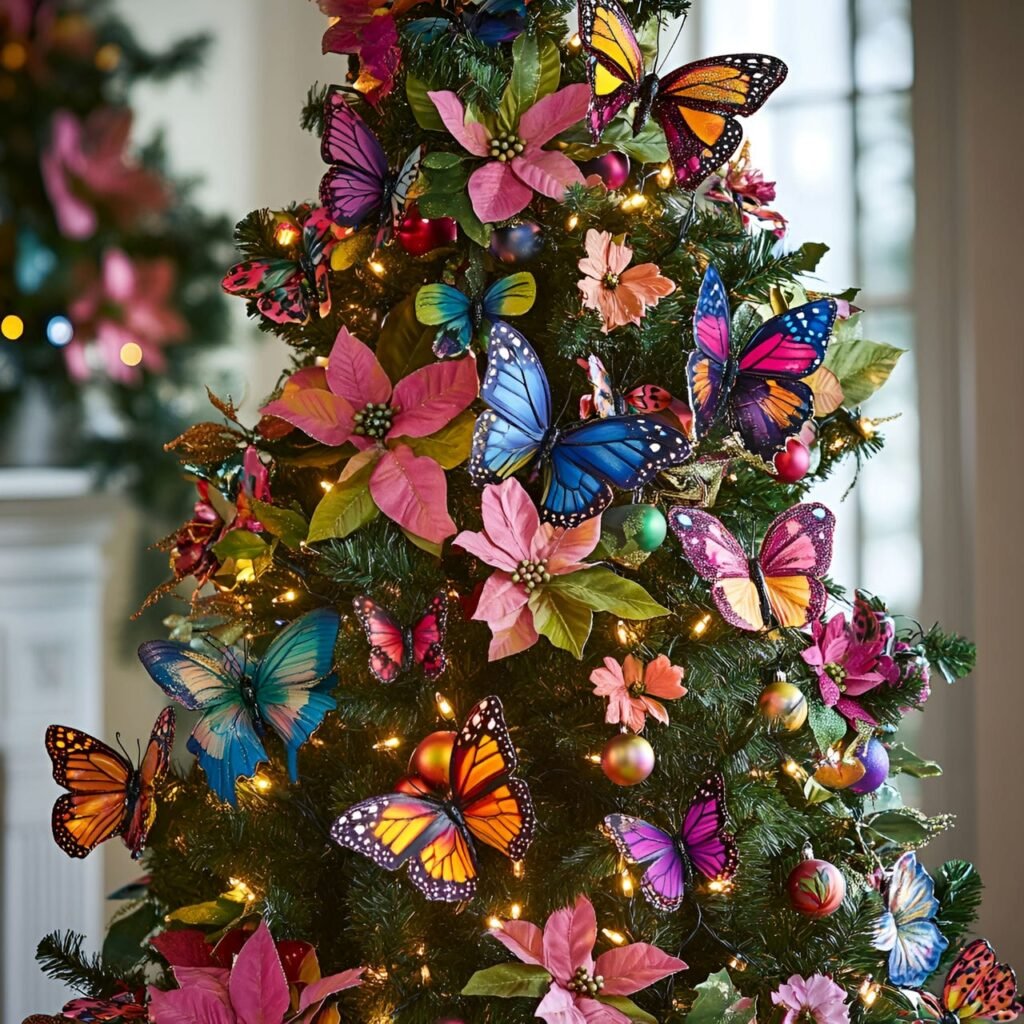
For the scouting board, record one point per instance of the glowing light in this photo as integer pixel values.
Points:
(425, 974)
(131, 353)
(494, 923)
(59, 331)
(515, 911)
(391, 743)
(627, 883)
(321, 361)
(866, 428)
(617, 938)
(377, 267)
(286, 598)
(665, 175)
(700, 627)
(241, 890)
(108, 57)
(594, 758)
(626, 633)
(518, 869)
(13, 56)
(868, 991)
(634, 201)
(737, 963)
(572, 221)
(575, 43)
(444, 707)
(793, 770)
(262, 784)
(286, 234)
(327, 485)
(720, 885)
(12, 327)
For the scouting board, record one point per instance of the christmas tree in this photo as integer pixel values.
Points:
(521, 685)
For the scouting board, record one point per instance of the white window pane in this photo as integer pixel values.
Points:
(884, 52)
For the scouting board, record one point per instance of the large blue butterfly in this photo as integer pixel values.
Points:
(581, 463)
(288, 690)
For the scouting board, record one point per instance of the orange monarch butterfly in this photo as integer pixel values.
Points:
(695, 104)
(977, 988)
(107, 796)
(434, 835)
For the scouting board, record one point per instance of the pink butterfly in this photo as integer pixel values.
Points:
(395, 648)
(782, 583)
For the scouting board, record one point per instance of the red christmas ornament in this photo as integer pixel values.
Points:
(816, 887)
(791, 466)
(419, 235)
(414, 785)
(611, 168)
(431, 759)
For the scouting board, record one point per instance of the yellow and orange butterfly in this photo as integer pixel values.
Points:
(435, 835)
(107, 795)
(977, 988)
(696, 105)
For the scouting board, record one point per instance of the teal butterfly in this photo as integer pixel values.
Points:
(460, 317)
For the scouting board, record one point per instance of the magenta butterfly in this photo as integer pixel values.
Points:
(293, 288)
(782, 583)
(395, 648)
(359, 184)
(702, 842)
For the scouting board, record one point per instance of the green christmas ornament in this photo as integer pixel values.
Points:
(629, 533)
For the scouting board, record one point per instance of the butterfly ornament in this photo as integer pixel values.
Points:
(701, 843)
(107, 795)
(695, 105)
(394, 648)
(287, 691)
(977, 988)
(436, 836)
(781, 583)
(606, 400)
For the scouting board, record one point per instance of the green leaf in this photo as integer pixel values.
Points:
(905, 826)
(125, 936)
(605, 591)
(241, 544)
(649, 147)
(906, 761)
(404, 344)
(430, 546)
(629, 1008)
(862, 366)
(716, 995)
(450, 445)
(559, 616)
(509, 980)
(550, 67)
(344, 508)
(815, 792)
(457, 205)
(213, 913)
(827, 724)
(440, 160)
(423, 108)
(521, 92)
(289, 526)
(808, 256)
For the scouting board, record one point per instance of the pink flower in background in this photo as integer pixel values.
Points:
(814, 1000)
(619, 294)
(504, 185)
(130, 303)
(631, 688)
(86, 168)
(745, 187)
(525, 554)
(565, 948)
(351, 401)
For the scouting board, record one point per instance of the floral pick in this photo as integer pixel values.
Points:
(631, 689)
(814, 1000)
(558, 965)
(741, 185)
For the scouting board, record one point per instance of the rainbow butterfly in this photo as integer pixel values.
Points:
(460, 317)
(761, 391)
(395, 648)
(782, 582)
(434, 835)
(294, 288)
(702, 842)
(287, 690)
(107, 795)
(695, 105)
(977, 987)
(604, 400)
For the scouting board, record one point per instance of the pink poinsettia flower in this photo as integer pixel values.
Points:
(352, 401)
(814, 1000)
(619, 292)
(518, 165)
(845, 667)
(86, 169)
(631, 689)
(565, 948)
(131, 303)
(526, 554)
(744, 187)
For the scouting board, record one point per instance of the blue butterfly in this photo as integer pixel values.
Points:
(581, 463)
(907, 929)
(492, 22)
(288, 690)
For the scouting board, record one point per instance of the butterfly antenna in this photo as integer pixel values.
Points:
(675, 40)
(117, 740)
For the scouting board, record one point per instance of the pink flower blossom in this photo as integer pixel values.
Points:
(745, 187)
(845, 667)
(629, 688)
(565, 948)
(352, 401)
(504, 185)
(86, 169)
(814, 1000)
(619, 294)
(526, 554)
(131, 302)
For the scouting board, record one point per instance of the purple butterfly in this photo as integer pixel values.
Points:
(359, 184)
(703, 842)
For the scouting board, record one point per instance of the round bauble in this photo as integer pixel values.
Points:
(414, 785)
(627, 759)
(839, 772)
(791, 465)
(629, 533)
(518, 243)
(430, 760)
(783, 706)
(875, 759)
(419, 235)
(816, 888)
(611, 168)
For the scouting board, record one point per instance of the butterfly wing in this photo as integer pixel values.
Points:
(354, 186)
(707, 365)
(155, 763)
(389, 654)
(663, 883)
(588, 459)
(515, 387)
(497, 808)
(615, 65)
(428, 637)
(602, 398)
(441, 305)
(97, 779)
(697, 105)
(979, 987)
(276, 285)
(513, 295)
(709, 846)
